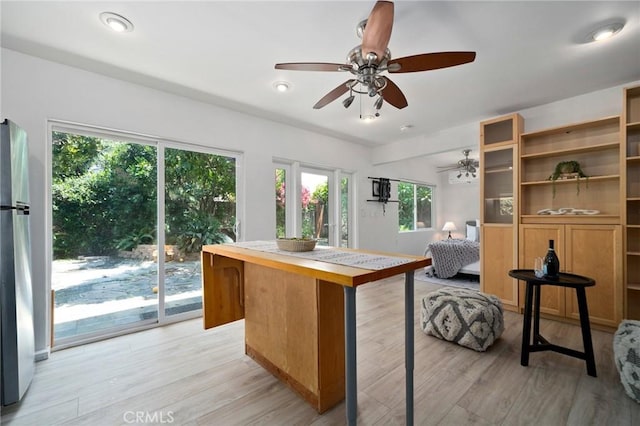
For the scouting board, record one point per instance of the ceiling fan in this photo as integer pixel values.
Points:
(370, 59)
(467, 166)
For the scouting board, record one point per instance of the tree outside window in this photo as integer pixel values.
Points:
(281, 203)
(415, 206)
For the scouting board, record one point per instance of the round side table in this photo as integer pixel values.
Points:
(579, 283)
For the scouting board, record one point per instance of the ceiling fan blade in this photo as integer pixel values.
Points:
(393, 95)
(431, 61)
(334, 94)
(448, 169)
(313, 66)
(377, 31)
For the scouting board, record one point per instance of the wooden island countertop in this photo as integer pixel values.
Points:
(299, 311)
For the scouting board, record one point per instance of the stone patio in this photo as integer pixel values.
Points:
(98, 293)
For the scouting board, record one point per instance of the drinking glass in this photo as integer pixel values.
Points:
(538, 267)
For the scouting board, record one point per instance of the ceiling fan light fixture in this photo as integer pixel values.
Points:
(348, 101)
(367, 118)
(116, 22)
(378, 103)
(605, 32)
(466, 167)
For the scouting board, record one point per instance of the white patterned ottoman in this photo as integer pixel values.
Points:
(626, 352)
(466, 317)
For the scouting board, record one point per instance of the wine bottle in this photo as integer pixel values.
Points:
(551, 265)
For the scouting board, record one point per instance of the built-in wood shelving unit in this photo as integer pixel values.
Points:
(630, 129)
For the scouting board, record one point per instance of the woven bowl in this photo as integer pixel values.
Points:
(295, 244)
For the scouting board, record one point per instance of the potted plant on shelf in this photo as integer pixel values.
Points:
(568, 170)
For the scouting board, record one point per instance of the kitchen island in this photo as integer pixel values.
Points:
(299, 312)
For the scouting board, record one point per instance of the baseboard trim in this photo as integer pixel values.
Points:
(43, 354)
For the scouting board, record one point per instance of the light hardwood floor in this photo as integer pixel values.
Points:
(181, 374)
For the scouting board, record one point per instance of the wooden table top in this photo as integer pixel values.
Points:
(564, 279)
(344, 275)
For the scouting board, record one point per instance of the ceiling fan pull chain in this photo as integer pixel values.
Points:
(360, 102)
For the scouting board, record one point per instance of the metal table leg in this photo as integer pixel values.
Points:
(408, 343)
(350, 355)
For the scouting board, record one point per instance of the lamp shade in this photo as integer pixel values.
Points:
(449, 226)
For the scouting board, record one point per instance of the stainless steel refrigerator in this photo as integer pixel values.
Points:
(17, 357)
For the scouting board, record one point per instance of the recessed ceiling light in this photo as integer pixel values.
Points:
(281, 86)
(116, 22)
(605, 32)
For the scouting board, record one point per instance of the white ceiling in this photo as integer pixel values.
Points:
(223, 52)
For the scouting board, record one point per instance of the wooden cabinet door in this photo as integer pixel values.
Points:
(222, 290)
(534, 242)
(498, 256)
(595, 251)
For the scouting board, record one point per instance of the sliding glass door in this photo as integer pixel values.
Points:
(200, 208)
(129, 218)
(104, 211)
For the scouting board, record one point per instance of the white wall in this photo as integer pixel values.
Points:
(36, 90)
(457, 203)
(453, 139)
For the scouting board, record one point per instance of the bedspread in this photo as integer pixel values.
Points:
(448, 256)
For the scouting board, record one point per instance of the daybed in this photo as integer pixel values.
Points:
(452, 256)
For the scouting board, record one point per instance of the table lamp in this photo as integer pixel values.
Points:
(449, 226)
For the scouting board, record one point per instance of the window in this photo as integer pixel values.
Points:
(415, 206)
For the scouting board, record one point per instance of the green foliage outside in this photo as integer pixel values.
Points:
(344, 212)
(202, 229)
(281, 217)
(200, 199)
(314, 214)
(144, 236)
(414, 207)
(104, 196)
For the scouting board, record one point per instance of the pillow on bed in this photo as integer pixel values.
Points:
(473, 233)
